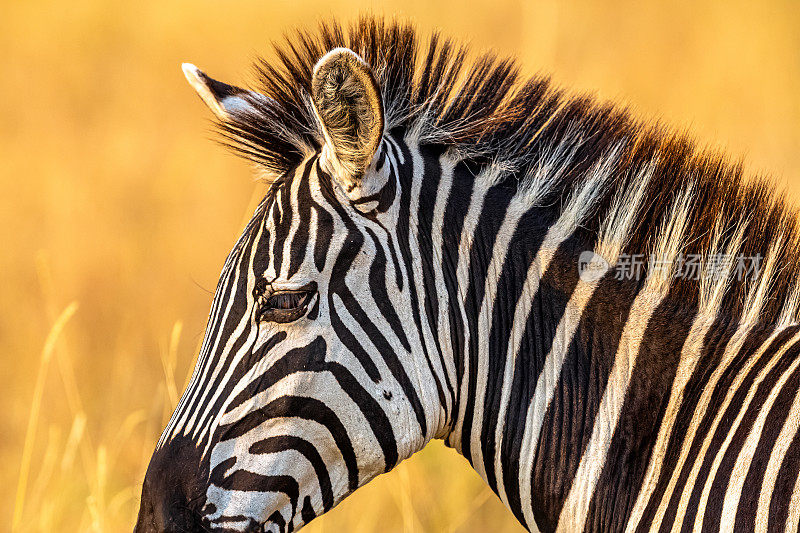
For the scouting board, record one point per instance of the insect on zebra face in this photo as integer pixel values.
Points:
(301, 392)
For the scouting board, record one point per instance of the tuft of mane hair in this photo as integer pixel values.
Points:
(436, 94)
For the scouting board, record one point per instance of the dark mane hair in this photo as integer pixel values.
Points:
(481, 109)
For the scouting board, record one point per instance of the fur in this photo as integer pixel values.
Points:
(481, 110)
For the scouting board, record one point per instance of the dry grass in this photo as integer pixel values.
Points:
(114, 198)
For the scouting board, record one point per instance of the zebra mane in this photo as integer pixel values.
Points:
(546, 142)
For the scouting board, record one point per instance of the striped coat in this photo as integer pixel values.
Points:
(600, 317)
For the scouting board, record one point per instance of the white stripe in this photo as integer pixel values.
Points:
(686, 367)
(720, 453)
(782, 443)
(745, 458)
(292, 190)
(578, 207)
(481, 186)
(447, 163)
(435, 420)
(516, 209)
(793, 516)
(576, 506)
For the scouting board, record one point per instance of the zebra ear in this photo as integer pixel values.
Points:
(221, 98)
(348, 104)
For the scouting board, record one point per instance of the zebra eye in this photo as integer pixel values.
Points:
(284, 306)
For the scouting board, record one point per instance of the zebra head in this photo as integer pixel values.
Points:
(308, 383)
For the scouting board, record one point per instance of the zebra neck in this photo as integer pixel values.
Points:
(572, 387)
(558, 388)
(533, 347)
(549, 360)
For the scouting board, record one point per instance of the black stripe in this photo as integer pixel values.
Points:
(250, 481)
(493, 210)
(283, 225)
(289, 442)
(300, 243)
(509, 292)
(455, 214)
(392, 251)
(431, 177)
(307, 513)
(352, 344)
(784, 485)
(755, 339)
(570, 418)
(406, 172)
(386, 195)
(713, 346)
(299, 407)
(719, 484)
(371, 409)
(777, 417)
(642, 413)
(380, 294)
(540, 327)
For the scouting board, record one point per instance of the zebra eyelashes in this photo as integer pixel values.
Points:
(282, 306)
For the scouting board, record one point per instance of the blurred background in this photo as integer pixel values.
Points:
(117, 210)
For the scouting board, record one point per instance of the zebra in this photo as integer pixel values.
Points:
(444, 251)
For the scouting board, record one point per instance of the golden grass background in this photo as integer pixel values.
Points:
(117, 210)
